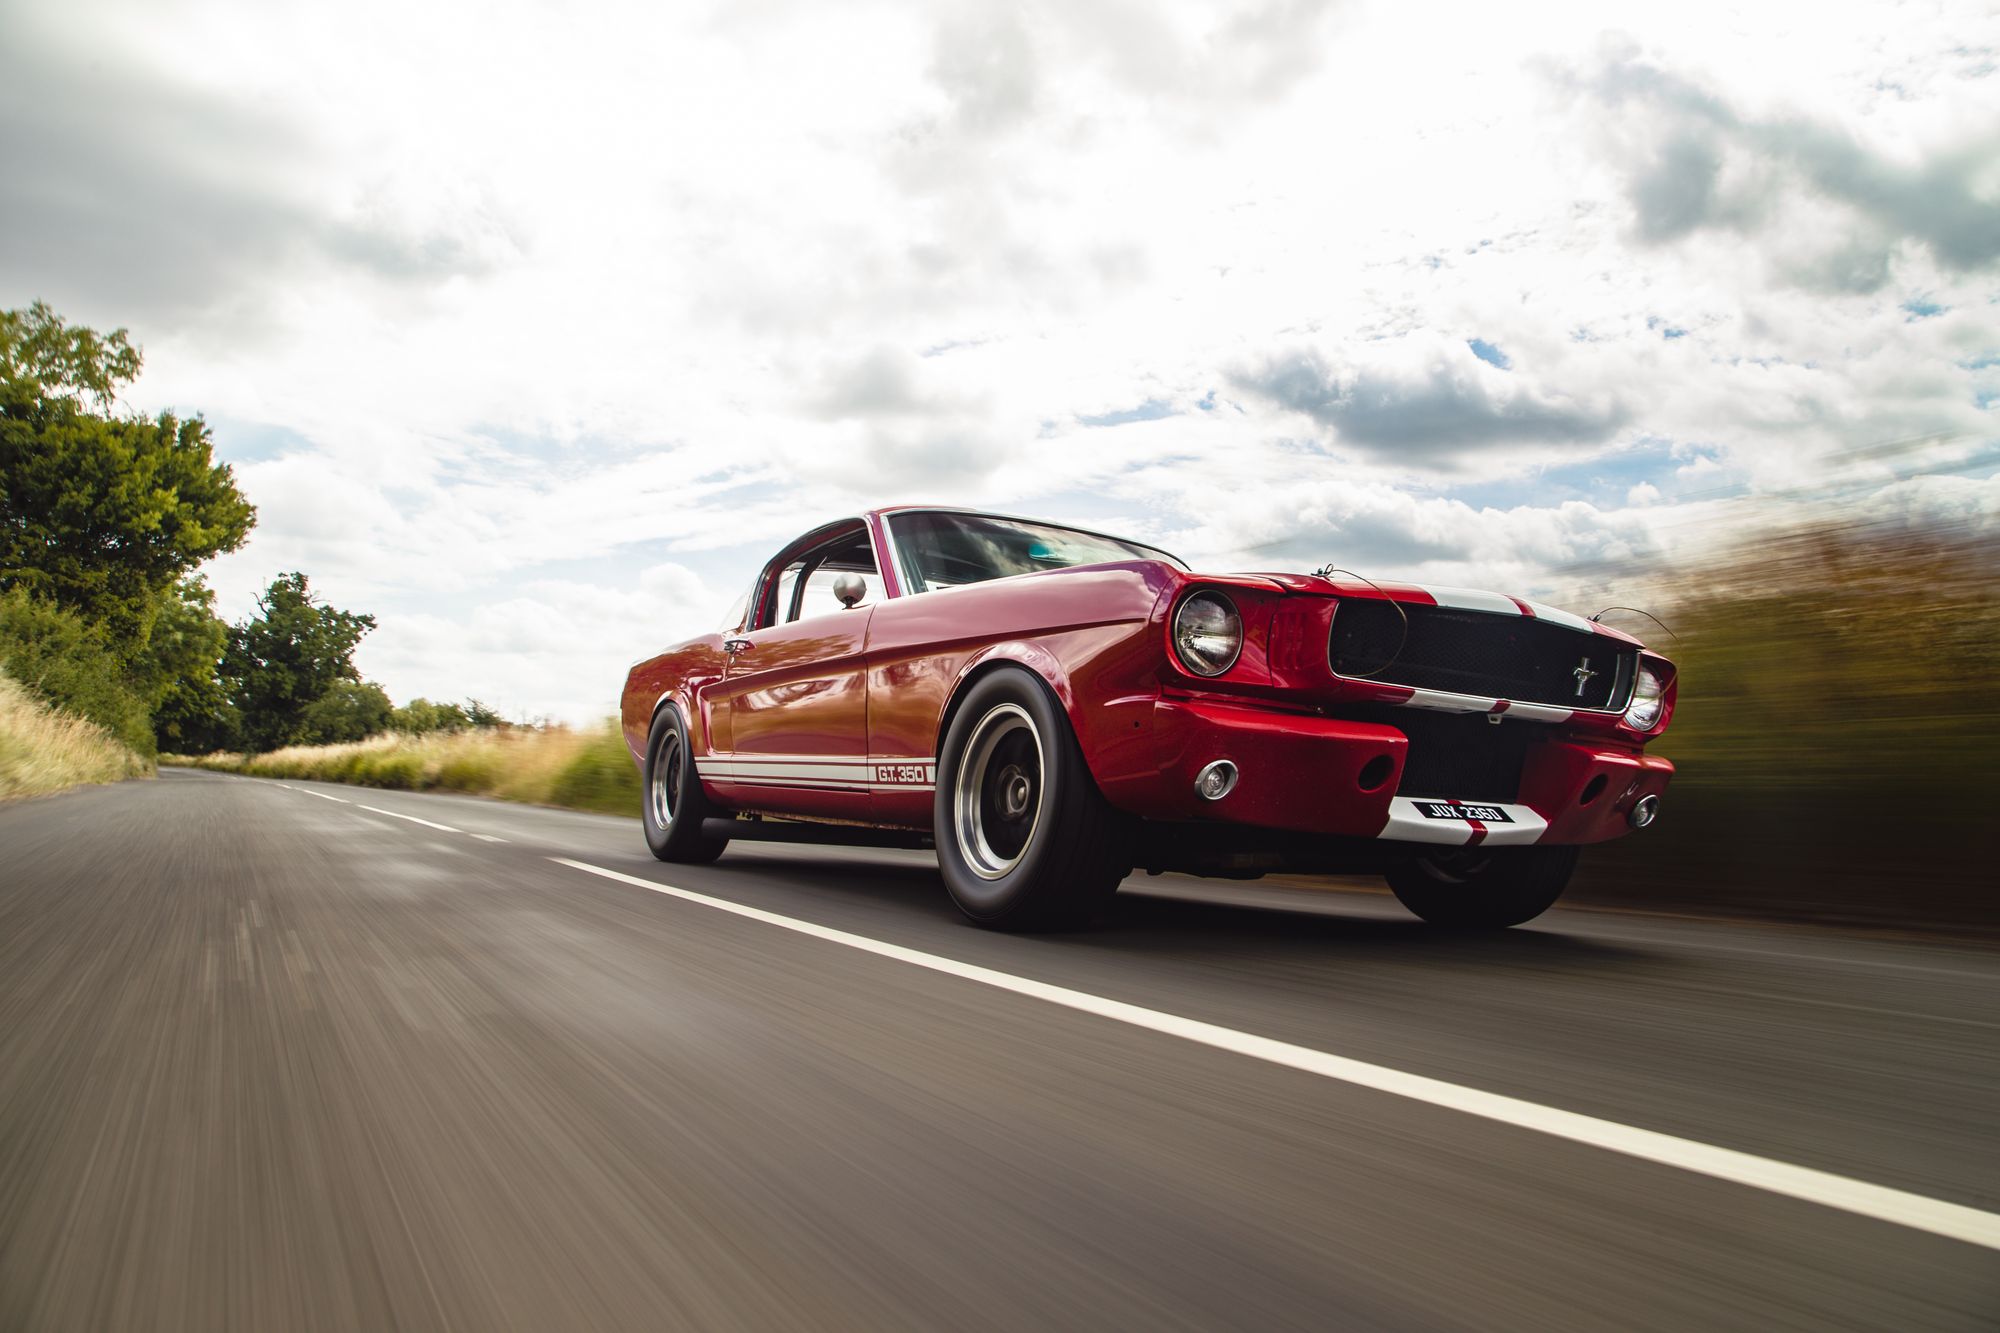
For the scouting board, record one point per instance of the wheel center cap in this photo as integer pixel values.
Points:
(1015, 789)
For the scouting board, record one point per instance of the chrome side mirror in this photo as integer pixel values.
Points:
(849, 588)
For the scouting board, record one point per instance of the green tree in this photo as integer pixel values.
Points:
(483, 717)
(67, 661)
(286, 658)
(350, 710)
(179, 671)
(101, 513)
(421, 715)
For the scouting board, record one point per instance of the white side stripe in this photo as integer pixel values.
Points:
(1898, 1207)
(823, 772)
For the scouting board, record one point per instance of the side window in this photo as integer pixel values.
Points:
(804, 587)
(781, 598)
(819, 599)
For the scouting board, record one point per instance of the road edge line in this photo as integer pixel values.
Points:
(1880, 1202)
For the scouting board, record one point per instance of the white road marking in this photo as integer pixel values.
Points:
(1899, 1207)
(324, 797)
(442, 828)
(488, 837)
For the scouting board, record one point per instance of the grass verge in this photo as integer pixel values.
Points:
(581, 770)
(45, 750)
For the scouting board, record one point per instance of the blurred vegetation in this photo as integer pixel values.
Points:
(105, 516)
(582, 770)
(1836, 734)
(44, 749)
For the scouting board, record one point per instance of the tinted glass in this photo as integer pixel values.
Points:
(949, 550)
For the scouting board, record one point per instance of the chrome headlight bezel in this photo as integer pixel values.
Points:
(1228, 627)
(1647, 710)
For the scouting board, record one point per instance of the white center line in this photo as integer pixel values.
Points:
(488, 837)
(324, 797)
(442, 828)
(1916, 1211)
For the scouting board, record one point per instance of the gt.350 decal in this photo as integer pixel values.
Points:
(820, 771)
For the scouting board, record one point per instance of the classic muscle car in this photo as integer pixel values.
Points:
(1052, 709)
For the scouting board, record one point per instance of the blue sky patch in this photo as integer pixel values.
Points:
(1150, 410)
(1488, 353)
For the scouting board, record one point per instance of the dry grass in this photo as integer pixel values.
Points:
(583, 770)
(45, 750)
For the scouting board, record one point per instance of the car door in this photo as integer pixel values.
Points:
(794, 689)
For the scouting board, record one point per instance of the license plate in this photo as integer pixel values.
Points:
(1485, 814)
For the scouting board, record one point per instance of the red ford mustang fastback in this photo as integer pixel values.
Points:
(1053, 708)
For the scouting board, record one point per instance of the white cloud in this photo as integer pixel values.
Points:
(548, 299)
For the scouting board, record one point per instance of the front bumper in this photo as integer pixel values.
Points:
(1310, 774)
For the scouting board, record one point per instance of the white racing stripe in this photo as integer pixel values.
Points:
(1916, 1211)
(442, 828)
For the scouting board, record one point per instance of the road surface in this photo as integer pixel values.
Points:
(298, 1055)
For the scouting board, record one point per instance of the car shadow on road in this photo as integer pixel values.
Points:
(1178, 916)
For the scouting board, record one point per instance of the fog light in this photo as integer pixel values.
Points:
(1215, 780)
(1645, 811)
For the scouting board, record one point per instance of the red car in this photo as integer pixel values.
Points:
(1053, 708)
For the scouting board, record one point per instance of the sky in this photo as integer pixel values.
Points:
(534, 329)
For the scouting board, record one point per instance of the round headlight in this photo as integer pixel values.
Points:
(1208, 634)
(1649, 698)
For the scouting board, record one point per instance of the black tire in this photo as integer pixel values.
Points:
(1473, 888)
(1024, 838)
(672, 803)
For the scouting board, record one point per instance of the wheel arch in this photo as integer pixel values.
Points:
(1026, 656)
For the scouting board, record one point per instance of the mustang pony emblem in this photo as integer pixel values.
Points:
(1583, 675)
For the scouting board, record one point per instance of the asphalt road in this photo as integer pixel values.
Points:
(271, 1061)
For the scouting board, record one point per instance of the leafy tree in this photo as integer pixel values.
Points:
(479, 715)
(350, 710)
(69, 662)
(179, 671)
(421, 715)
(286, 658)
(100, 513)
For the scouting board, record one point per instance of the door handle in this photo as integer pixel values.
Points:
(735, 646)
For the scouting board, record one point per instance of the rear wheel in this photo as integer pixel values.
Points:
(674, 802)
(1025, 840)
(1475, 888)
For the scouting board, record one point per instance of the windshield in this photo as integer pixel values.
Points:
(941, 550)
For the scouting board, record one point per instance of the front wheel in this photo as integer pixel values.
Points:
(1473, 888)
(1024, 838)
(674, 804)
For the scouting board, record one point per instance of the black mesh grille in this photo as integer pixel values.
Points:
(1463, 755)
(1459, 755)
(1476, 652)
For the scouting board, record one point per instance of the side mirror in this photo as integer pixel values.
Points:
(849, 588)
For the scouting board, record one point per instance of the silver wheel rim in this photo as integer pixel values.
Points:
(997, 796)
(666, 788)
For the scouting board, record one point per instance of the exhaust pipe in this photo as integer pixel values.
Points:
(1644, 811)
